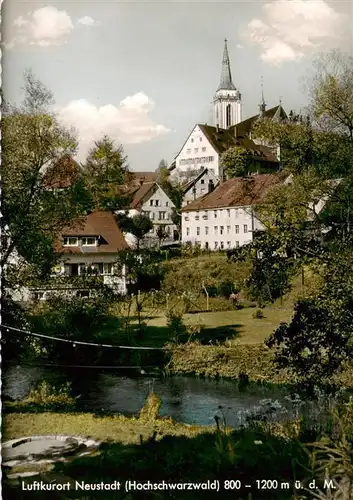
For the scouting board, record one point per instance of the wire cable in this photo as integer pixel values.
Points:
(74, 342)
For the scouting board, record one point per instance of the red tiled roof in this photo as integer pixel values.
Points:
(237, 192)
(62, 174)
(101, 224)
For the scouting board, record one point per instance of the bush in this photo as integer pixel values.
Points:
(46, 397)
(150, 411)
(258, 314)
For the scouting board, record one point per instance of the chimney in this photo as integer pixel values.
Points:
(210, 186)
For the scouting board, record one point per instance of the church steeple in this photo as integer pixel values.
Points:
(226, 82)
(227, 99)
(262, 105)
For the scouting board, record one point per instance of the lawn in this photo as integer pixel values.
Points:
(221, 325)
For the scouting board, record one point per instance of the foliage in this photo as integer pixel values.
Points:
(143, 269)
(317, 343)
(46, 397)
(137, 225)
(106, 172)
(176, 326)
(332, 91)
(161, 234)
(73, 318)
(258, 314)
(150, 411)
(235, 162)
(33, 215)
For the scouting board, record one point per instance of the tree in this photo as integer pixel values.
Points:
(106, 173)
(161, 234)
(138, 225)
(34, 141)
(235, 162)
(332, 92)
(317, 343)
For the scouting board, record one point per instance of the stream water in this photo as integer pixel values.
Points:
(185, 399)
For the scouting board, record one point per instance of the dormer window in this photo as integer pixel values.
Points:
(70, 241)
(89, 241)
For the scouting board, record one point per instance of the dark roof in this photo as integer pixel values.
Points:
(226, 82)
(145, 176)
(139, 195)
(191, 183)
(237, 192)
(62, 174)
(101, 224)
(244, 128)
(222, 140)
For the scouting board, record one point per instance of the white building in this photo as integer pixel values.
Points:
(226, 217)
(201, 185)
(149, 199)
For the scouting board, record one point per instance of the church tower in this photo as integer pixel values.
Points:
(227, 99)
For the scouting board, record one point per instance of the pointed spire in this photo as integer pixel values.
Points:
(226, 75)
(262, 104)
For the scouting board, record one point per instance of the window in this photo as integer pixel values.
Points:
(228, 244)
(152, 215)
(161, 216)
(237, 229)
(215, 214)
(202, 181)
(203, 149)
(187, 231)
(222, 245)
(167, 203)
(196, 150)
(245, 228)
(70, 241)
(200, 139)
(108, 268)
(197, 217)
(188, 151)
(228, 115)
(151, 203)
(206, 229)
(237, 244)
(167, 229)
(167, 215)
(228, 229)
(192, 140)
(221, 229)
(216, 245)
(215, 230)
(88, 241)
(157, 204)
(202, 190)
(206, 245)
(198, 231)
(228, 212)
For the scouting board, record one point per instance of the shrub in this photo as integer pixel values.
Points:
(45, 397)
(151, 408)
(258, 314)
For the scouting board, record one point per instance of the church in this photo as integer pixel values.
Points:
(199, 157)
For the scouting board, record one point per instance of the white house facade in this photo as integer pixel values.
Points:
(152, 201)
(226, 217)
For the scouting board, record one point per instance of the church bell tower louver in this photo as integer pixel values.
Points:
(227, 99)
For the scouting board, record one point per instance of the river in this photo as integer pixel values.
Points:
(185, 399)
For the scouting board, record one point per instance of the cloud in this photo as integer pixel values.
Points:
(87, 21)
(239, 46)
(290, 29)
(128, 123)
(45, 27)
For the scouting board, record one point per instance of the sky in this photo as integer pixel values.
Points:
(145, 72)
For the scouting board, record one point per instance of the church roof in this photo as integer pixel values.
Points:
(223, 139)
(237, 192)
(243, 128)
(226, 82)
